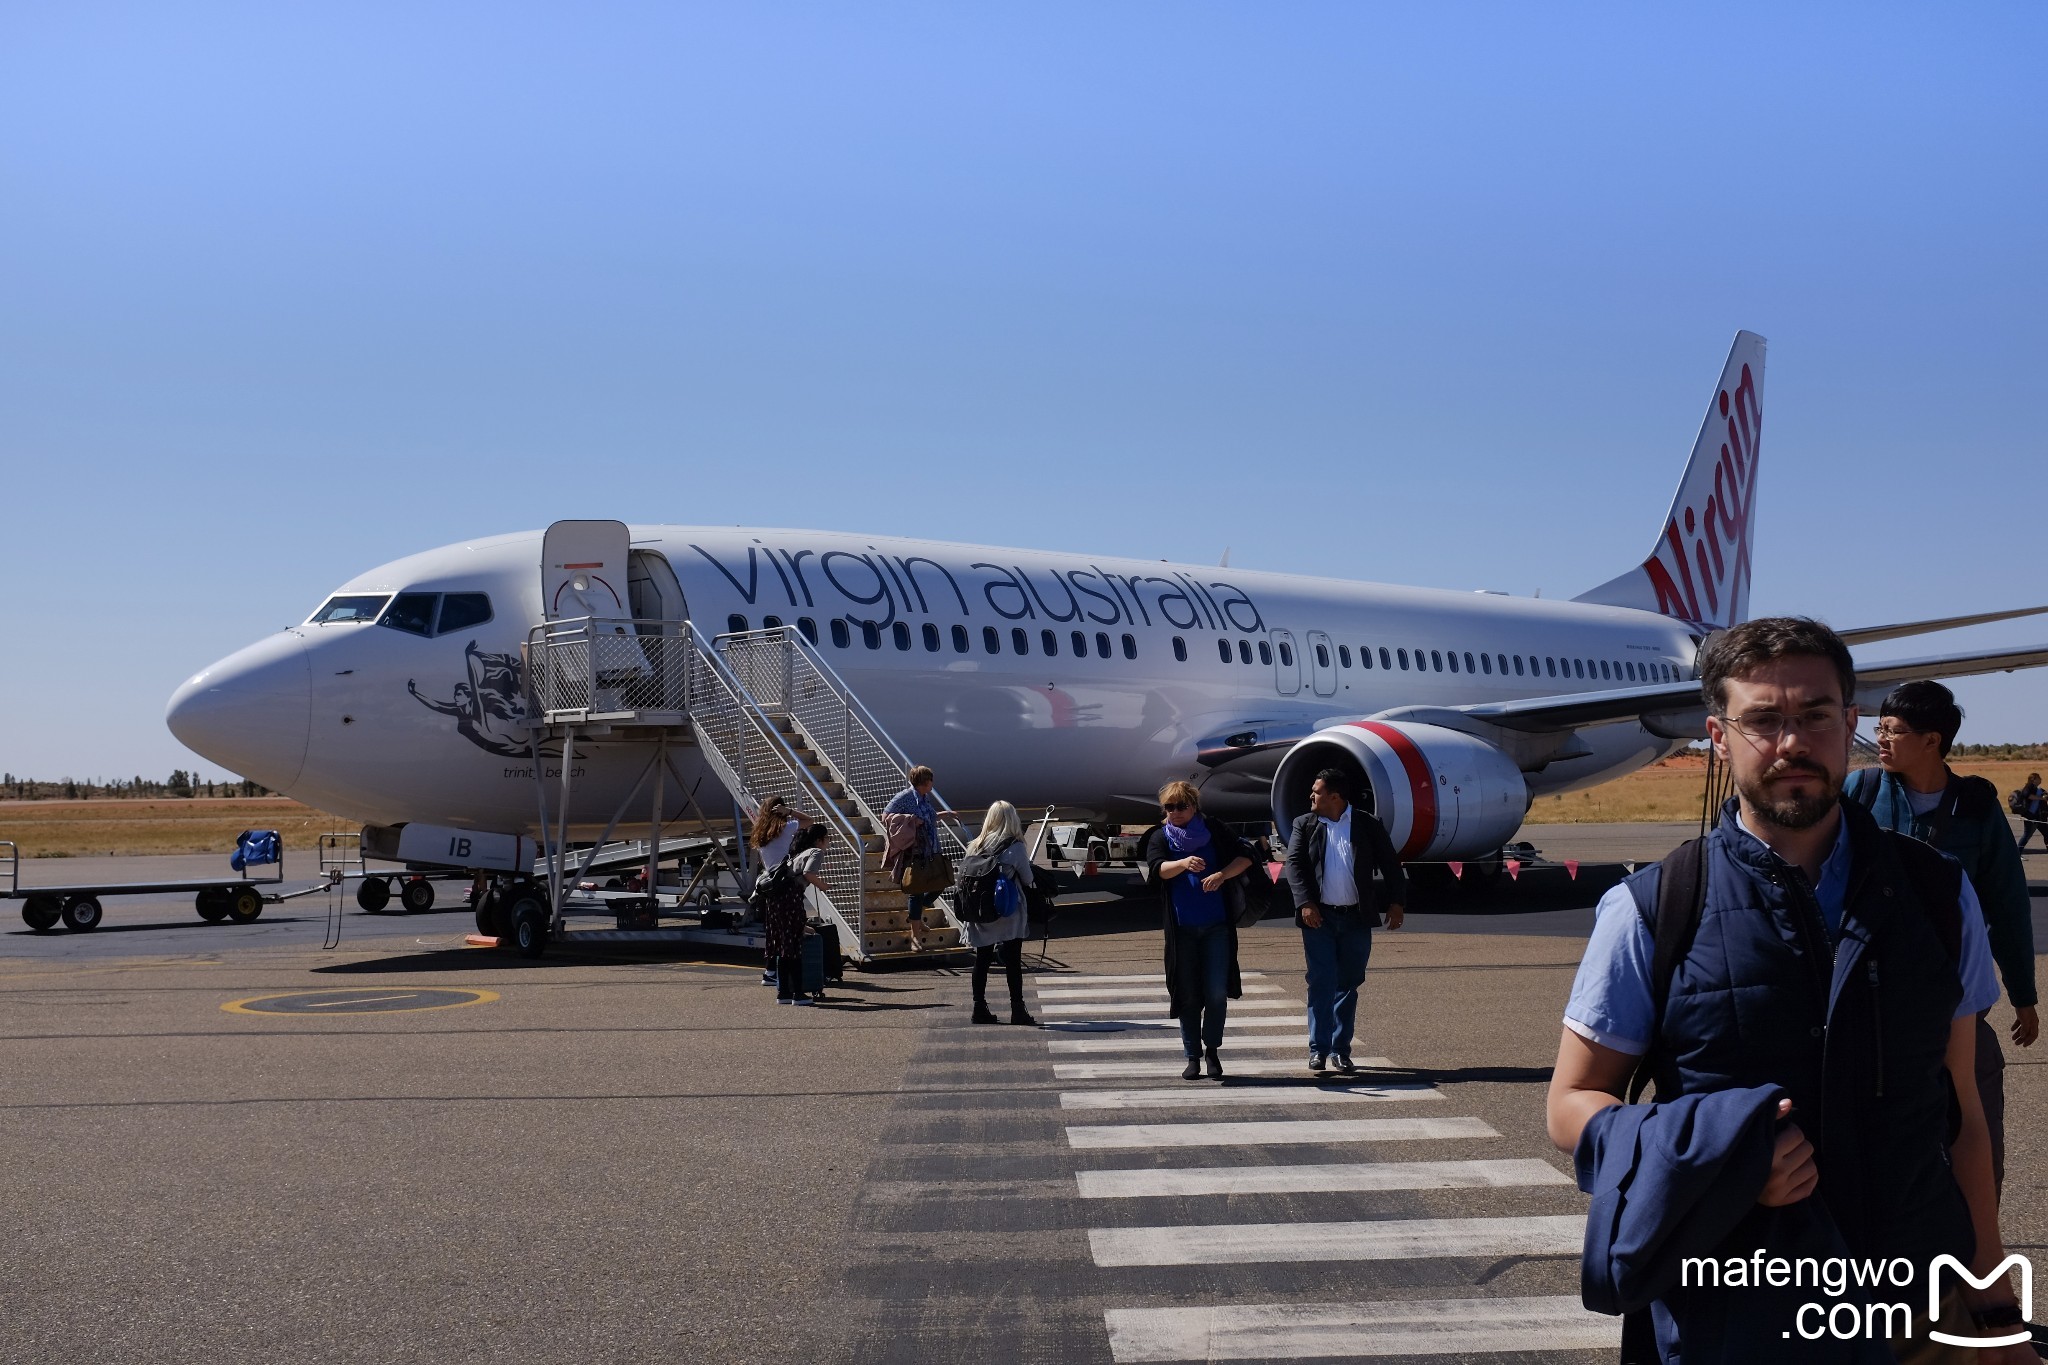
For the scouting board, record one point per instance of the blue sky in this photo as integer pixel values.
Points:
(1413, 294)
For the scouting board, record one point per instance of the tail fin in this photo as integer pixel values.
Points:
(1698, 570)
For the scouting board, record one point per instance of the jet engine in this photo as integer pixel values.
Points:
(1442, 794)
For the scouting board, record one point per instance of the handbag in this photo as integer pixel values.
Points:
(927, 876)
(1254, 893)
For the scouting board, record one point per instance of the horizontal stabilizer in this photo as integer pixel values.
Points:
(1869, 635)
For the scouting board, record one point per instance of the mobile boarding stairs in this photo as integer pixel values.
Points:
(768, 717)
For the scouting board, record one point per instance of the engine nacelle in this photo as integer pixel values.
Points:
(1441, 794)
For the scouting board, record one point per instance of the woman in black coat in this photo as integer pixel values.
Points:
(1198, 867)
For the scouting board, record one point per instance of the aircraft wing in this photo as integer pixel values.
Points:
(1878, 678)
(1670, 702)
(1872, 634)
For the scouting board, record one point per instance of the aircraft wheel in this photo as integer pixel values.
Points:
(212, 906)
(82, 914)
(41, 912)
(417, 896)
(488, 914)
(245, 903)
(529, 932)
(373, 894)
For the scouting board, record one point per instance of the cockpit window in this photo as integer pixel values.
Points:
(412, 612)
(461, 610)
(349, 608)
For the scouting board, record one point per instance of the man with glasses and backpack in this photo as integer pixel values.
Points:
(1802, 986)
(1916, 793)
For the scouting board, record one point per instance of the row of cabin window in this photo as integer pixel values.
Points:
(1049, 643)
(1533, 666)
(1436, 659)
(991, 639)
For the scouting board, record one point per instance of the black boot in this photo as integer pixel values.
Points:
(1193, 1070)
(1215, 1066)
(1020, 1015)
(983, 1014)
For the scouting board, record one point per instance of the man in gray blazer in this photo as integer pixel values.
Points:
(1332, 853)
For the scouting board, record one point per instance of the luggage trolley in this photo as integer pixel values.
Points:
(239, 899)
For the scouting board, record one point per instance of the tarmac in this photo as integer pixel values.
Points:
(443, 1152)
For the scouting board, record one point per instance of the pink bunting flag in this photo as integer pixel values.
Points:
(1514, 868)
(1457, 870)
(1571, 865)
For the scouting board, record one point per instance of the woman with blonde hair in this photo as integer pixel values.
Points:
(1196, 866)
(1002, 836)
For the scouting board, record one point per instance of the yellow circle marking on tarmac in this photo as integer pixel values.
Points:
(369, 1000)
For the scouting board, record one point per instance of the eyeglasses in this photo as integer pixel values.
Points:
(1897, 732)
(1172, 807)
(1769, 725)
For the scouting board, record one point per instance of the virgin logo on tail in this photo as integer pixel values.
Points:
(1699, 568)
(1714, 529)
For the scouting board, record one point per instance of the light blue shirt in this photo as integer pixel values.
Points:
(1339, 879)
(1611, 1001)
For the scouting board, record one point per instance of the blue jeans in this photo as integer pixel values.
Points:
(1201, 1024)
(1337, 954)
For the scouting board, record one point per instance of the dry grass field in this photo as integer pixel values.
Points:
(1671, 790)
(73, 829)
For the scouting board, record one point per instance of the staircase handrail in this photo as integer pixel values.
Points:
(567, 656)
(801, 648)
(734, 781)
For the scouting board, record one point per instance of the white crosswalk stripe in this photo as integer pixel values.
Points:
(1160, 1021)
(1088, 979)
(1375, 1240)
(1307, 1179)
(1302, 1331)
(1233, 1065)
(1113, 1008)
(1108, 1029)
(1272, 1133)
(1186, 1096)
(1131, 993)
(1298, 1043)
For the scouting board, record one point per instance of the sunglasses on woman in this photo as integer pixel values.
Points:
(1170, 807)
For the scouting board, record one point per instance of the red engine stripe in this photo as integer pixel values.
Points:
(1423, 827)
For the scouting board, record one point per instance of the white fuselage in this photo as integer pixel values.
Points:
(1044, 679)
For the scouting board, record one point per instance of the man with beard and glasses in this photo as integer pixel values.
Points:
(1804, 994)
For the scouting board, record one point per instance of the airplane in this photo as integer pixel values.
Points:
(1044, 678)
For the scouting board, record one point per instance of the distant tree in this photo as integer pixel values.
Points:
(180, 783)
(70, 790)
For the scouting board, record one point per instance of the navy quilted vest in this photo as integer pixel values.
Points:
(1856, 1034)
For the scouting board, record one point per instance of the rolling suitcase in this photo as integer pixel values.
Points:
(835, 962)
(814, 965)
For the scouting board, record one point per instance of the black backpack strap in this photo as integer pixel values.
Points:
(1861, 787)
(1673, 922)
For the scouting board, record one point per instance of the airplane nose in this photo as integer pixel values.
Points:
(251, 713)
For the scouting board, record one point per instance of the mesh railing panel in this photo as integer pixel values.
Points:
(610, 667)
(607, 667)
(783, 674)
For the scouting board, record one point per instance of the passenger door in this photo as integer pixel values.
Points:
(1322, 664)
(1286, 663)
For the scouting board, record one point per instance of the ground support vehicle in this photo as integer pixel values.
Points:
(239, 899)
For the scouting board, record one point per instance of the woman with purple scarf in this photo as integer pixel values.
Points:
(1196, 866)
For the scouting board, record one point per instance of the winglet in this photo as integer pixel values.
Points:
(1698, 569)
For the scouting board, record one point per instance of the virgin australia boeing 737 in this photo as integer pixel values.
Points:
(1067, 680)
